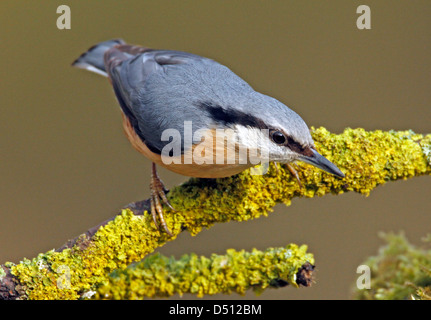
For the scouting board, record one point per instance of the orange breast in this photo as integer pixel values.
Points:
(209, 148)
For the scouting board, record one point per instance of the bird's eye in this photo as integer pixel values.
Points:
(278, 137)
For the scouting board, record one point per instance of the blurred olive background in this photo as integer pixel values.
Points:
(66, 164)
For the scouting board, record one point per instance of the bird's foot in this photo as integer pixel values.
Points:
(158, 194)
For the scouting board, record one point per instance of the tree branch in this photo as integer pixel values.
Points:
(235, 271)
(368, 159)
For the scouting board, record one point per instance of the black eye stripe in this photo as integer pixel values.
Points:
(231, 116)
(281, 138)
(294, 146)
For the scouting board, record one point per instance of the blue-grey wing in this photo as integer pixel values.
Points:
(160, 89)
(144, 89)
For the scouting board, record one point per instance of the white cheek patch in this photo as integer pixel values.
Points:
(254, 139)
(251, 137)
(254, 142)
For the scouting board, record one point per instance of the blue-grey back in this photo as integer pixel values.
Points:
(164, 96)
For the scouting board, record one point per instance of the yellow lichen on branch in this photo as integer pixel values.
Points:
(71, 272)
(235, 271)
(368, 159)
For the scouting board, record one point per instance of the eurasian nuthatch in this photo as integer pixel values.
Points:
(161, 90)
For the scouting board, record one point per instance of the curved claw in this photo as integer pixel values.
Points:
(162, 195)
(157, 193)
(294, 173)
(153, 212)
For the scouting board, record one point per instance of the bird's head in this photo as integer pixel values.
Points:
(289, 137)
(266, 124)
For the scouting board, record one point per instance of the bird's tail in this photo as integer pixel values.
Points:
(93, 60)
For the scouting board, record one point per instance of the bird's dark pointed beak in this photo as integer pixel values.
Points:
(319, 161)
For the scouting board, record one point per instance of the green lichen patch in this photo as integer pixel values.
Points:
(400, 271)
(370, 158)
(2, 273)
(425, 144)
(235, 271)
(71, 272)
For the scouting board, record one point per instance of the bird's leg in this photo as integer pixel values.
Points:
(294, 173)
(158, 192)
